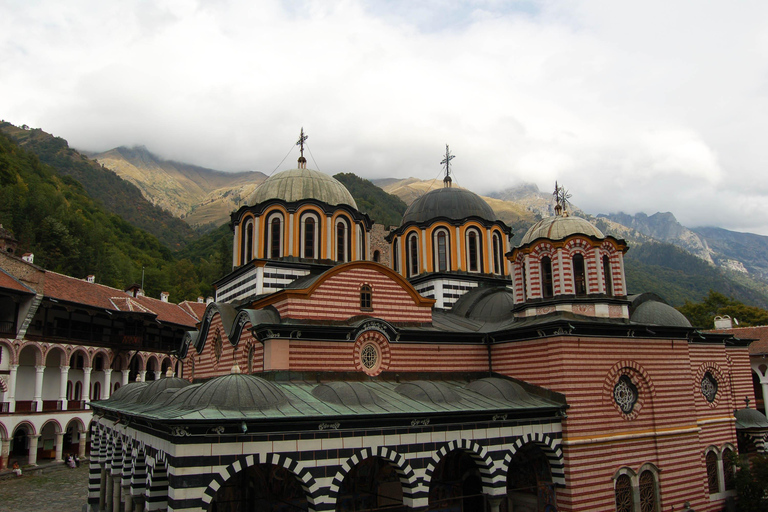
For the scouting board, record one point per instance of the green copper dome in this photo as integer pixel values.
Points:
(299, 184)
(561, 227)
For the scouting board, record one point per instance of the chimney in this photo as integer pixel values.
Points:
(201, 299)
(209, 300)
(164, 296)
(91, 278)
(139, 293)
(723, 322)
(29, 257)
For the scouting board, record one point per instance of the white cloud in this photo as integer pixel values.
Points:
(651, 106)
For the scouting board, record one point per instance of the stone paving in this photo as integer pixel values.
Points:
(56, 490)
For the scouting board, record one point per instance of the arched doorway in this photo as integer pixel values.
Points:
(373, 484)
(20, 442)
(456, 485)
(529, 482)
(261, 488)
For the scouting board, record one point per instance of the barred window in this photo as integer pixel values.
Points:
(623, 494)
(712, 479)
(625, 394)
(709, 387)
(728, 470)
(647, 492)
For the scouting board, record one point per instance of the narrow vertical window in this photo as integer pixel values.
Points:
(648, 498)
(728, 470)
(342, 242)
(442, 252)
(274, 232)
(546, 277)
(96, 391)
(496, 254)
(376, 256)
(413, 255)
(712, 478)
(525, 283)
(309, 238)
(248, 242)
(78, 390)
(607, 275)
(396, 255)
(623, 492)
(472, 252)
(365, 297)
(579, 276)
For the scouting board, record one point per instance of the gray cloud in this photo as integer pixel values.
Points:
(651, 106)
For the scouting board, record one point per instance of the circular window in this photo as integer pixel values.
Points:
(625, 394)
(369, 356)
(709, 387)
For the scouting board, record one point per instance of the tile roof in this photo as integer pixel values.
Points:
(196, 309)
(70, 289)
(10, 283)
(758, 333)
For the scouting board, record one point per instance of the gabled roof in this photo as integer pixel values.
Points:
(758, 333)
(9, 282)
(196, 309)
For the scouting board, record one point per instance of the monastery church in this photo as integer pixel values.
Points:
(435, 368)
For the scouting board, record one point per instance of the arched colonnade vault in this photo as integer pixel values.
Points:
(461, 474)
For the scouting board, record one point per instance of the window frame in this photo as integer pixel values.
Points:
(437, 235)
(412, 254)
(547, 278)
(275, 240)
(316, 230)
(476, 266)
(366, 297)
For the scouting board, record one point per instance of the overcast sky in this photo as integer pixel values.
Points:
(633, 106)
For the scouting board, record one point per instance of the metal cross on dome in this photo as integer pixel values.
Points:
(561, 199)
(447, 163)
(301, 140)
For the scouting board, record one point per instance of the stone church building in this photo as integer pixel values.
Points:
(466, 375)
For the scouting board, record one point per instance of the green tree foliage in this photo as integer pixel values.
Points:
(702, 314)
(383, 208)
(678, 276)
(116, 195)
(752, 483)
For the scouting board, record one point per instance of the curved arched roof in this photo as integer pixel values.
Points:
(649, 308)
(448, 202)
(345, 393)
(428, 391)
(299, 184)
(235, 392)
(561, 227)
(485, 304)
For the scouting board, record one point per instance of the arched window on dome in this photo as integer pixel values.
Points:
(310, 241)
(498, 261)
(441, 249)
(246, 242)
(474, 251)
(579, 275)
(275, 235)
(546, 277)
(342, 240)
(395, 255)
(412, 254)
(607, 275)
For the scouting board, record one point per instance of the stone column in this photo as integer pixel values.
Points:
(158, 375)
(38, 397)
(495, 502)
(63, 387)
(82, 445)
(33, 438)
(12, 388)
(59, 445)
(107, 383)
(764, 385)
(116, 492)
(143, 376)
(126, 375)
(103, 484)
(87, 386)
(5, 452)
(108, 492)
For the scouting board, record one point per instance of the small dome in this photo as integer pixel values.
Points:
(235, 392)
(299, 184)
(499, 389)
(748, 418)
(452, 203)
(158, 386)
(428, 391)
(486, 304)
(560, 227)
(345, 393)
(128, 393)
(657, 312)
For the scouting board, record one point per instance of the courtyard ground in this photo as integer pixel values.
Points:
(56, 490)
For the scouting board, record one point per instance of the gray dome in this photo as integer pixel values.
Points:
(485, 304)
(658, 313)
(235, 392)
(345, 393)
(299, 184)
(428, 391)
(561, 227)
(128, 393)
(158, 386)
(499, 389)
(453, 203)
(748, 418)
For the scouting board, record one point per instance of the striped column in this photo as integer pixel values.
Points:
(94, 469)
(157, 487)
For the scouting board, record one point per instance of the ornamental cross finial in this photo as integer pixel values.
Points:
(447, 163)
(301, 140)
(561, 200)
